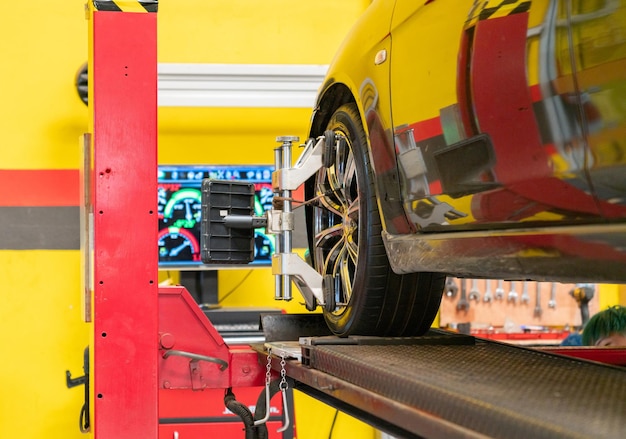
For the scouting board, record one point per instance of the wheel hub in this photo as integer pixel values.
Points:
(349, 226)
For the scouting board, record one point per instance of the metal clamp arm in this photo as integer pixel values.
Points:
(307, 280)
(198, 357)
(308, 164)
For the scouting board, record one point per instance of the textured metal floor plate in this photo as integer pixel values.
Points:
(489, 389)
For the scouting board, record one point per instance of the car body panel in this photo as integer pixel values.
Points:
(599, 32)
(569, 254)
(497, 134)
(478, 82)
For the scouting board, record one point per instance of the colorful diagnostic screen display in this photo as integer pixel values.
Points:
(180, 210)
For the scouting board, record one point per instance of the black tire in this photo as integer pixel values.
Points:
(345, 242)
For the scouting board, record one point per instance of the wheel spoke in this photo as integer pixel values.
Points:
(346, 279)
(342, 157)
(336, 186)
(333, 258)
(352, 211)
(328, 199)
(349, 179)
(324, 236)
(345, 172)
(342, 271)
(352, 250)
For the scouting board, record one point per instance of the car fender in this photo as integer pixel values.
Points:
(364, 80)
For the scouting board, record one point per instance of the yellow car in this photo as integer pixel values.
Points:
(469, 139)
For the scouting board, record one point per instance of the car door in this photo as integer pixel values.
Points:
(482, 134)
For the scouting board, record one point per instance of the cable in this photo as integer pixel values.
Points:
(332, 425)
(83, 423)
(233, 289)
(242, 411)
(278, 200)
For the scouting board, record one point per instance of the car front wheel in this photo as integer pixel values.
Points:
(363, 295)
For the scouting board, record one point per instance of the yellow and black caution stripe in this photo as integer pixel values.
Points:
(126, 5)
(485, 10)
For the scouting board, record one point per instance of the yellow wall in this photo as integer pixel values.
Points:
(43, 44)
(609, 295)
(41, 118)
(40, 317)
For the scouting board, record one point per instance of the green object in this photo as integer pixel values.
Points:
(610, 321)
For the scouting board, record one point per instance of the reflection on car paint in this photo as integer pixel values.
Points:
(538, 167)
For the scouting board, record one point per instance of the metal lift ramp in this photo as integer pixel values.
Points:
(445, 385)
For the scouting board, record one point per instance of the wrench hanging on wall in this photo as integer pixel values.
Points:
(552, 301)
(500, 290)
(538, 311)
(451, 288)
(463, 304)
(487, 295)
(474, 294)
(512, 297)
(525, 296)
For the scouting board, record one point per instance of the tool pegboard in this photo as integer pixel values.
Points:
(513, 306)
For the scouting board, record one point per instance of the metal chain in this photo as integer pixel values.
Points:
(268, 368)
(283, 374)
(268, 377)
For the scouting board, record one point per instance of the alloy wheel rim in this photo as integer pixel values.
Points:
(336, 222)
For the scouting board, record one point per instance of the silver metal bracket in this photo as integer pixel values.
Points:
(288, 266)
(308, 281)
(310, 161)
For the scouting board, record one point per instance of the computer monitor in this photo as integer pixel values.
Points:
(180, 211)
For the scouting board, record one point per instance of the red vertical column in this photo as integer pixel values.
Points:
(123, 108)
